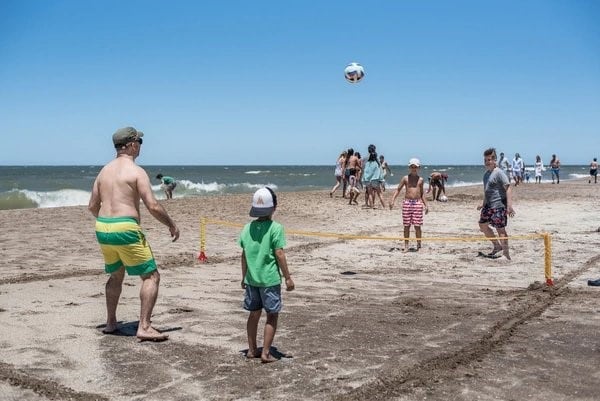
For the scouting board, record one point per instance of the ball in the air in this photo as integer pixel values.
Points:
(354, 73)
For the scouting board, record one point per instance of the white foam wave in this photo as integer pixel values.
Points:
(200, 186)
(257, 172)
(457, 184)
(186, 187)
(252, 186)
(63, 197)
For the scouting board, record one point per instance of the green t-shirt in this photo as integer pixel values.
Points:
(167, 180)
(259, 239)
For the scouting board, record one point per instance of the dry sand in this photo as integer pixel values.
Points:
(364, 323)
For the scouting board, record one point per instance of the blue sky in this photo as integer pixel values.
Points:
(261, 82)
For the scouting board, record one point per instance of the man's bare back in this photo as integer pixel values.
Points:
(118, 187)
(353, 162)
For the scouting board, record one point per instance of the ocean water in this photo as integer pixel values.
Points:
(53, 186)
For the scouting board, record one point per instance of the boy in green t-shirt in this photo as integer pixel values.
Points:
(263, 264)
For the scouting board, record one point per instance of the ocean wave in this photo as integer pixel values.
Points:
(23, 198)
(257, 172)
(457, 184)
(189, 188)
(199, 188)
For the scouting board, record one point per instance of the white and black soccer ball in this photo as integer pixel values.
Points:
(443, 198)
(354, 73)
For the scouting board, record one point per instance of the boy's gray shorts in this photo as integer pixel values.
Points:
(257, 298)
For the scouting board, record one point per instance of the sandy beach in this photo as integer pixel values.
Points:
(366, 321)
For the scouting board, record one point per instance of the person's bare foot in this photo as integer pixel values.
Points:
(506, 253)
(404, 250)
(110, 328)
(494, 251)
(251, 354)
(268, 358)
(151, 334)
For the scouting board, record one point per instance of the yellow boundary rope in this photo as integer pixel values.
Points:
(545, 236)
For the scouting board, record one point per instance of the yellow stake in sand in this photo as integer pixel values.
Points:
(202, 256)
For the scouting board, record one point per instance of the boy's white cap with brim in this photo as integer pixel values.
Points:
(414, 162)
(262, 203)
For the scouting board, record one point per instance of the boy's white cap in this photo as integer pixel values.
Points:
(414, 162)
(264, 202)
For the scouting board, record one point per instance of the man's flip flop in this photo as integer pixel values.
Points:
(594, 283)
(491, 255)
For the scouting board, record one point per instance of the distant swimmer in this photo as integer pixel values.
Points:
(593, 171)
(385, 169)
(539, 168)
(555, 169)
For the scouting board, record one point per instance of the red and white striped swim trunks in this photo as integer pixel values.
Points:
(412, 212)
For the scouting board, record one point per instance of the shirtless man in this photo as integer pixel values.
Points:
(414, 202)
(115, 202)
(437, 184)
(593, 171)
(555, 168)
(353, 169)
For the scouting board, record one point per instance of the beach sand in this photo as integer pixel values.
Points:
(365, 322)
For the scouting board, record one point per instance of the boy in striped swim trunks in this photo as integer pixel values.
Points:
(115, 202)
(414, 202)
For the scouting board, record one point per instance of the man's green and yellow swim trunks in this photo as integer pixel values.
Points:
(123, 244)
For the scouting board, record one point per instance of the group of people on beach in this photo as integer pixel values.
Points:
(355, 173)
(517, 171)
(122, 184)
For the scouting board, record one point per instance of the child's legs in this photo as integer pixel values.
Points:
(344, 185)
(489, 233)
(372, 194)
(406, 235)
(503, 237)
(272, 305)
(252, 330)
(269, 335)
(380, 198)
